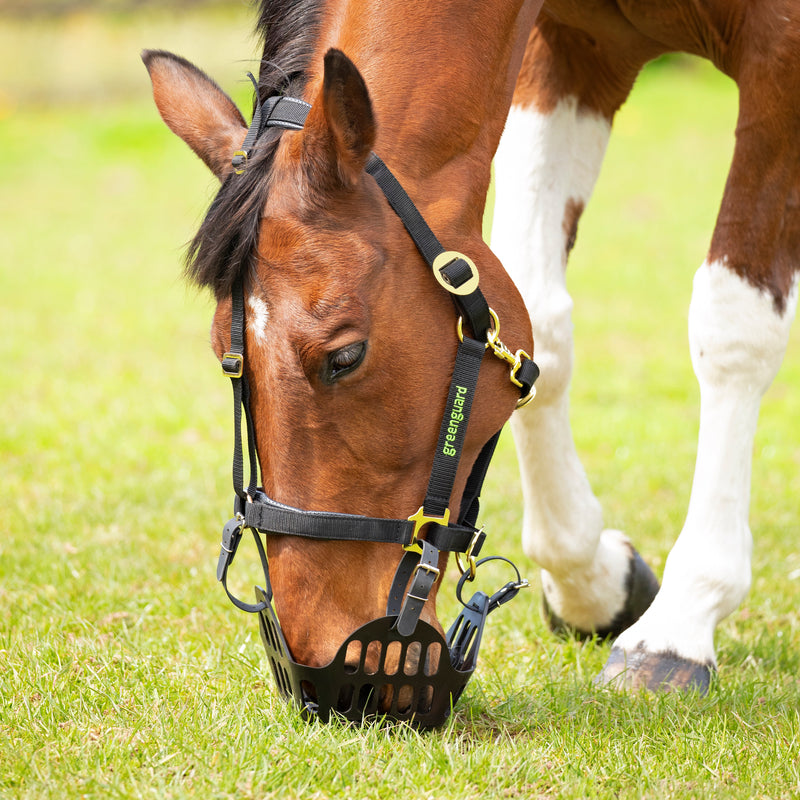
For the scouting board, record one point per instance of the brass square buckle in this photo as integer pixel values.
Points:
(448, 257)
(471, 565)
(235, 369)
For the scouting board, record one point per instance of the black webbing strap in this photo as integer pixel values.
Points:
(233, 367)
(454, 426)
(265, 514)
(422, 561)
(276, 112)
(470, 500)
(285, 112)
(240, 157)
(473, 306)
(527, 374)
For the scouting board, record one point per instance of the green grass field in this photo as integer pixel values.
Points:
(125, 672)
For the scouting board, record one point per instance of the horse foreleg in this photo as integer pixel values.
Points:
(743, 303)
(546, 167)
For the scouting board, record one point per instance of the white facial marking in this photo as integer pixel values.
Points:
(257, 320)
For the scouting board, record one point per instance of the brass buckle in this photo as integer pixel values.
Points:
(442, 260)
(514, 359)
(240, 170)
(502, 352)
(471, 563)
(420, 520)
(523, 401)
(491, 334)
(237, 372)
(435, 571)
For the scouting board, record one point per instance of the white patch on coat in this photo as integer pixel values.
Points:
(737, 341)
(258, 318)
(545, 163)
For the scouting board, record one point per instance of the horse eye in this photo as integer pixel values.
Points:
(342, 361)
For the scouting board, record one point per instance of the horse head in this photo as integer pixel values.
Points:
(350, 341)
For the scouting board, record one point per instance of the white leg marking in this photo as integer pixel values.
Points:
(257, 320)
(545, 164)
(737, 343)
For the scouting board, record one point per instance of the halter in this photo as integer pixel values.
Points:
(419, 675)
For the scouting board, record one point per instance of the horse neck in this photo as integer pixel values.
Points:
(441, 77)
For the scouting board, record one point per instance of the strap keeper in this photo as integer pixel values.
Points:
(239, 161)
(231, 536)
(233, 365)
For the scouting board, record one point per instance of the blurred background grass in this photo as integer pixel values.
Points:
(122, 664)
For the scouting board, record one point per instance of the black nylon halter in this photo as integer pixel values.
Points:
(255, 510)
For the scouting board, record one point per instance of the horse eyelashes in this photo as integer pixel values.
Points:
(343, 361)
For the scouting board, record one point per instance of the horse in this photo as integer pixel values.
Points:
(350, 346)
(348, 341)
(581, 62)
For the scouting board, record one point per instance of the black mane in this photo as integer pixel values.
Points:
(223, 246)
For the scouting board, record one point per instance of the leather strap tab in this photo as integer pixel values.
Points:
(231, 536)
(422, 570)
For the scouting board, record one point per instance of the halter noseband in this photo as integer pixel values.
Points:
(425, 674)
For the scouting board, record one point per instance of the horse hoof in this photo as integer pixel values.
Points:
(641, 586)
(656, 672)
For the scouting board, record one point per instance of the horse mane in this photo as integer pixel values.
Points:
(223, 247)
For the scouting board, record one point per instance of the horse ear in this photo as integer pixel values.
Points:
(340, 129)
(196, 109)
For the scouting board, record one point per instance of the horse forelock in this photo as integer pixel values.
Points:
(223, 247)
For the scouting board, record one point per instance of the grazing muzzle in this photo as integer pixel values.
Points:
(397, 665)
(379, 671)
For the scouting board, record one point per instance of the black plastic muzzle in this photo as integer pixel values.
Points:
(378, 672)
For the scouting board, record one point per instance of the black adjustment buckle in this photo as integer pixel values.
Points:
(233, 365)
(231, 536)
(506, 593)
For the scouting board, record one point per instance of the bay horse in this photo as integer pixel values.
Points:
(349, 342)
(581, 62)
(350, 346)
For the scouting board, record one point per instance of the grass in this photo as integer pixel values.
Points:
(124, 672)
